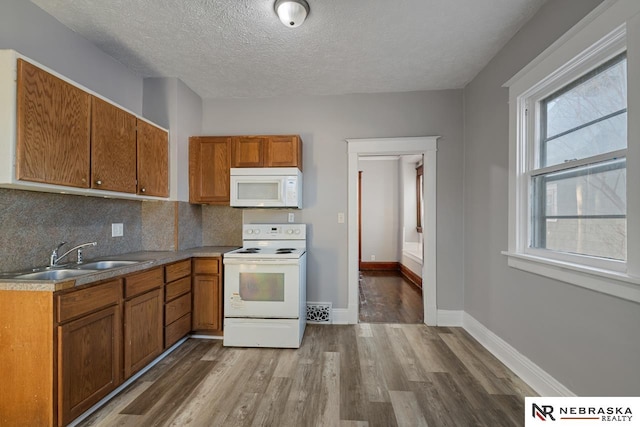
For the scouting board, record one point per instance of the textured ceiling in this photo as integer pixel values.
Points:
(239, 48)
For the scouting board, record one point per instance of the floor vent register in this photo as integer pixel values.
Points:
(319, 312)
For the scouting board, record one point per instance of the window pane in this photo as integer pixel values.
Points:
(598, 96)
(601, 137)
(582, 210)
(587, 117)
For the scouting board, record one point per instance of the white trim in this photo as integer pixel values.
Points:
(427, 146)
(536, 377)
(450, 317)
(605, 281)
(206, 337)
(340, 316)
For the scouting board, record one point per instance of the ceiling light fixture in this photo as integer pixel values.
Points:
(292, 13)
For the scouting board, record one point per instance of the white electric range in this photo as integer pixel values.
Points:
(265, 287)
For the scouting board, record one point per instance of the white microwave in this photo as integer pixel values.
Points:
(266, 188)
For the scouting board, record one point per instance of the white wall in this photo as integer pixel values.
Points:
(380, 209)
(324, 122)
(588, 341)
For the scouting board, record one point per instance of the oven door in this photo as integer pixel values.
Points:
(261, 288)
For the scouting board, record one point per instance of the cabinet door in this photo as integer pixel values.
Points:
(143, 329)
(113, 148)
(53, 129)
(153, 160)
(248, 151)
(284, 151)
(209, 164)
(207, 298)
(88, 361)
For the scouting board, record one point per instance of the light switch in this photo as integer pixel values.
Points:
(292, 217)
(340, 217)
(117, 229)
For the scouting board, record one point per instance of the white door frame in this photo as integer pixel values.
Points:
(427, 146)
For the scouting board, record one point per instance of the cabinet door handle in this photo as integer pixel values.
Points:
(98, 182)
(143, 190)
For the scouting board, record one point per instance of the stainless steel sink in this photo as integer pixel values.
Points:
(57, 274)
(105, 265)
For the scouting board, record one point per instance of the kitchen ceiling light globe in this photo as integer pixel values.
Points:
(292, 13)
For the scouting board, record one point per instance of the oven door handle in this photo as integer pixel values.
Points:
(291, 261)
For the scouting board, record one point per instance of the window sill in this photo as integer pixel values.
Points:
(607, 282)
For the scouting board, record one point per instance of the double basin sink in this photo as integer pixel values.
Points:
(67, 271)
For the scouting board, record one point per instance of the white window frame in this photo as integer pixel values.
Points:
(612, 28)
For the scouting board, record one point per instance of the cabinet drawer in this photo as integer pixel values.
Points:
(178, 270)
(206, 266)
(177, 330)
(177, 288)
(140, 283)
(78, 303)
(177, 308)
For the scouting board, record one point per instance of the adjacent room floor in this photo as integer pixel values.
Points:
(387, 297)
(343, 375)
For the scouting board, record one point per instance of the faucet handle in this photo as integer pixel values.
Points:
(54, 254)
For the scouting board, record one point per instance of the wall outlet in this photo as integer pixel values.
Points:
(117, 229)
(340, 217)
(373, 257)
(292, 217)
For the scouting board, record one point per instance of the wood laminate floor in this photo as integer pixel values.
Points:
(387, 297)
(343, 375)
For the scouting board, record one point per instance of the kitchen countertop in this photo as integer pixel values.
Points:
(148, 259)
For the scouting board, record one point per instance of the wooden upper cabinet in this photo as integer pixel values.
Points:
(153, 160)
(209, 164)
(248, 151)
(284, 151)
(53, 129)
(266, 151)
(113, 148)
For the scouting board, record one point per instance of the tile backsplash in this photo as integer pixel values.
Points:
(33, 223)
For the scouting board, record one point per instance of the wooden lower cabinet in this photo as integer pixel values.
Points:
(207, 295)
(143, 331)
(89, 361)
(77, 345)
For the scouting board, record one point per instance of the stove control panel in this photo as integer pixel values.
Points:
(274, 231)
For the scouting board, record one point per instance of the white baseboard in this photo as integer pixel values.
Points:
(539, 380)
(340, 316)
(450, 317)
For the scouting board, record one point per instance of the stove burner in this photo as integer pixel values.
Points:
(285, 250)
(249, 251)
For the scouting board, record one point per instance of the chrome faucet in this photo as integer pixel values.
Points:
(54, 259)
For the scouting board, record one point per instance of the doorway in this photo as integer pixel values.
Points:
(425, 146)
(390, 239)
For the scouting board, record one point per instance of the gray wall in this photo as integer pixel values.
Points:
(324, 123)
(588, 341)
(26, 28)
